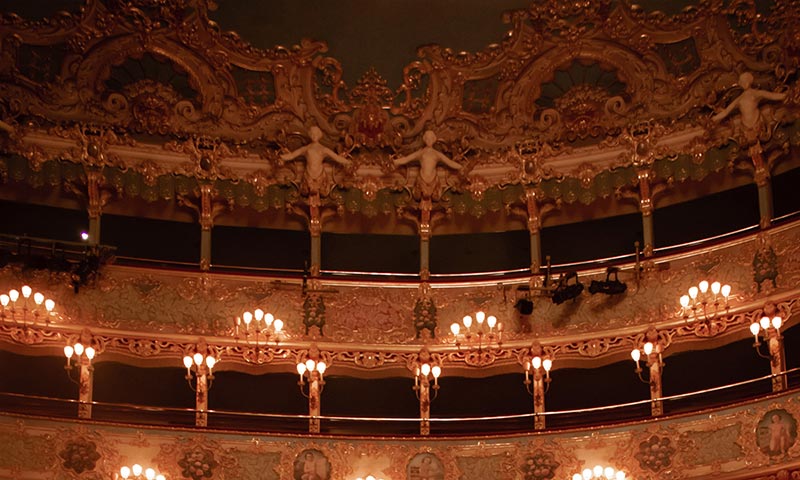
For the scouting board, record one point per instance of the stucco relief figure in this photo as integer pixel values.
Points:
(777, 432)
(425, 466)
(752, 120)
(428, 185)
(315, 179)
(311, 465)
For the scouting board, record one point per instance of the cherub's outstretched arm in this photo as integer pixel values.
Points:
(408, 158)
(773, 95)
(292, 155)
(721, 115)
(336, 157)
(450, 163)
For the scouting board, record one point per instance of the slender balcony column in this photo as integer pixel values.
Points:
(201, 398)
(85, 387)
(314, 403)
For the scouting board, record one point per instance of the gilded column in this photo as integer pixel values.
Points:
(534, 229)
(314, 401)
(655, 366)
(201, 397)
(85, 387)
(763, 182)
(315, 229)
(424, 388)
(538, 400)
(426, 205)
(206, 224)
(777, 359)
(646, 207)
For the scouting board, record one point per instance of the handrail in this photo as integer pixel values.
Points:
(335, 418)
(506, 274)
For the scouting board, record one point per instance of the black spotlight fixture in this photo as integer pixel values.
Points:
(609, 286)
(524, 306)
(566, 290)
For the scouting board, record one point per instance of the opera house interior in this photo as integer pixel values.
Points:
(399, 240)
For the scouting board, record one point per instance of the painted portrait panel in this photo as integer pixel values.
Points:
(425, 466)
(312, 465)
(776, 432)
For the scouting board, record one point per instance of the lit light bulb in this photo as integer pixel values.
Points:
(49, 305)
(764, 322)
(321, 367)
(703, 286)
(247, 317)
(693, 292)
(79, 349)
(425, 369)
(150, 474)
(311, 365)
(609, 473)
(648, 348)
(685, 301)
(301, 368)
(777, 322)
(598, 470)
(38, 298)
(547, 364)
(587, 474)
(754, 328)
(137, 470)
(26, 291)
(68, 351)
(455, 328)
(536, 362)
(90, 353)
(210, 362)
(436, 371)
(620, 475)
(467, 321)
(161, 477)
(187, 362)
(636, 355)
(125, 472)
(278, 325)
(259, 314)
(725, 290)
(269, 318)
(13, 295)
(715, 287)
(577, 476)
(4, 300)
(480, 317)
(198, 359)
(491, 321)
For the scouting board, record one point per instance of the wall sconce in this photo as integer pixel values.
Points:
(651, 352)
(424, 373)
(765, 327)
(705, 301)
(262, 327)
(138, 473)
(259, 323)
(474, 332)
(309, 371)
(565, 290)
(198, 365)
(608, 286)
(600, 472)
(80, 352)
(538, 366)
(19, 304)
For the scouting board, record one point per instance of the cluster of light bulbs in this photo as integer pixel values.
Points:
(536, 363)
(259, 316)
(764, 324)
(699, 294)
(137, 471)
(647, 349)
(311, 366)
(79, 350)
(599, 472)
(480, 318)
(197, 360)
(38, 299)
